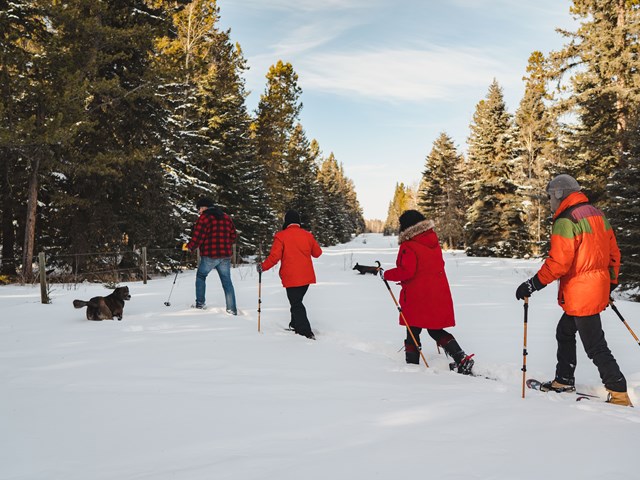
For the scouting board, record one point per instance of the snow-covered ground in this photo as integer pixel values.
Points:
(175, 393)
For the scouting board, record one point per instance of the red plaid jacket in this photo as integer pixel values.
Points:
(213, 236)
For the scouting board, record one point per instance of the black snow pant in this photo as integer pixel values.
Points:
(299, 321)
(442, 338)
(595, 345)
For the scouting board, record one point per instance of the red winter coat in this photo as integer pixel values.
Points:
(425, 298)
(294, 247)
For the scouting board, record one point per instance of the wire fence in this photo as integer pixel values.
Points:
(109, 268)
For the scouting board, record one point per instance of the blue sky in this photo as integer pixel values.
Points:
(382, 79)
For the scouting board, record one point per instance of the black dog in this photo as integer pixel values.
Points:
(366, 269)
(105, 308)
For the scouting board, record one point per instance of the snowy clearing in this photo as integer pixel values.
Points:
(175, 393)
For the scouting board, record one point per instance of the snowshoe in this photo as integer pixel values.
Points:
(554, 386)
(464, 366)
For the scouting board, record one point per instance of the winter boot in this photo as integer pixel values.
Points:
(463, 365)
(619, 398)
(556, 386)
(412, 354)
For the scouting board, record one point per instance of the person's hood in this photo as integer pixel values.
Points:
(417, 232)
(573, 199)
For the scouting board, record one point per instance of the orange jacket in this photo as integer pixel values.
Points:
(294, 247)
(584, 255)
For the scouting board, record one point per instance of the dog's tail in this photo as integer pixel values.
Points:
(378, 263)
(80, 303)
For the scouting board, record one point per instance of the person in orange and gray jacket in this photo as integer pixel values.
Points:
(294, 247)
(584, 256)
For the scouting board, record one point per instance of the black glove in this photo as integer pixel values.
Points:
(528, 287)
(259, 268)
(612, 287)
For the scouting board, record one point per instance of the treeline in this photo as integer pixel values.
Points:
(116, 116)
(580, 114)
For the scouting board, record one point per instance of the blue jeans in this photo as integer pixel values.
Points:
(223, 266)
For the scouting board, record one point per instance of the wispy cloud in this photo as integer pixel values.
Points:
(312, 36)
(305, 5)
(400, 74)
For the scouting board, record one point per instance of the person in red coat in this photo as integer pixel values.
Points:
(293, 247)
(425, 298)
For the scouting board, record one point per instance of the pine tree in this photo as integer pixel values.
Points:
(181, 65)
(276, 117)
(440, 194)
(340, 215)
(603, 89)
(22, 75)
(535, 146)
(624, 211)
(233, 164)
(302, 190)
(403, 199)
(112, 178)
(494, 220)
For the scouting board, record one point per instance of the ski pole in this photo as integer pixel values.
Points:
(259, 297)
(415, 342)
(259, 285)
(524, 350)
(168, 303)
(615, 309)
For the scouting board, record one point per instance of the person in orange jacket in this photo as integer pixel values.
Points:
(584, 256)
(293, 247)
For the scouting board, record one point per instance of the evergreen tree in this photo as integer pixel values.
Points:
(403, 199)
(624, 211)
(276, 117)
(341, 216)
(182, 63)
(535, 146)
(494, 220)
(233, 164)
(603, 66)
(440, 194)
(603, 94)
(302, 190)
(23, 35)
(111, 176)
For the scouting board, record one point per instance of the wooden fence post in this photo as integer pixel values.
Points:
(144, 265)
(44, 297)
(234, 255)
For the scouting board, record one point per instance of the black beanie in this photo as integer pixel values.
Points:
(204, 202)
(409, 218)
(291, 217)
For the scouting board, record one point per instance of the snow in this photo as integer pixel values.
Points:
(175, 393)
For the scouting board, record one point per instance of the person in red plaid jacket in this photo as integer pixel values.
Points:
(214, 234)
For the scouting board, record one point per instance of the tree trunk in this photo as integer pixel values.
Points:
(30, 224)
(8, 232)
(621, 81)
